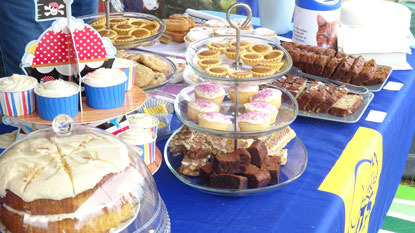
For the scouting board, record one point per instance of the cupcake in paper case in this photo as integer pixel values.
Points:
(57, 97)
(144, 140)
(143, 121)
(128, 67)
(17, 95)
(105, 88)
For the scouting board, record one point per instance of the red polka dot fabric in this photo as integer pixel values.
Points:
(55, 48)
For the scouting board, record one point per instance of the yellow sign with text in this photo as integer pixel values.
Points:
(355, 178)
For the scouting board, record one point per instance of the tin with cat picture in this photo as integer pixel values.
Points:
(316, 21)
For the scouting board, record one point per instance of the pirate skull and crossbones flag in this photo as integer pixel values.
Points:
(50, 9)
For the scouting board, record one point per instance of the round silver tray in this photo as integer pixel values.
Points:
(296, 164)
(133, 15)
(195, 47)
(286, 114)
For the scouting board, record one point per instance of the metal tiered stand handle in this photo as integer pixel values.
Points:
(237, 64)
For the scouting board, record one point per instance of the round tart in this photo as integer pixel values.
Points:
(239, 21)
(262, 71)
(218, 71)
(275, 65)
(208, 54)
(108, 33)
(264, 32)
(123, 29)
(99, 27)
(208, 62)
(100, 21)
(260, 48)
(138, 23)
(118, 20)
(231, 53)
(140, 33)
(216, 23)
(206, 30)
(152, 27)
(240, 74)
(216, 46)
(244, 44)
(124, 38)
(273, 56)
(251, 59)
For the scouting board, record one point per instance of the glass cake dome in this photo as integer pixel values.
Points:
(77, 179)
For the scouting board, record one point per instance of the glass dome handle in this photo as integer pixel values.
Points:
(238, 30)
(62, 125)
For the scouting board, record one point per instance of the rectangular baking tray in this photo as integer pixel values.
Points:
(358, 89)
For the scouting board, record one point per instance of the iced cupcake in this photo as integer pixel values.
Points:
(128, 67)
(269, 96)
(105, 88)
(144, 140)
(197, 106)
(57, 97)
(253, 121)
(210, 92)
(268, 109)
(244, 93)
(16, 95)
(215, 120)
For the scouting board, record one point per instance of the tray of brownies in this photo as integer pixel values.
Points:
(335, 66)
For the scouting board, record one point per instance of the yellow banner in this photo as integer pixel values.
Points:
(355, 178)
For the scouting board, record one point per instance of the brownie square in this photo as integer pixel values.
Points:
(230, 163)
(259, 152)
(273, 165)
(257, 177)
(205, 172)
(228, 181)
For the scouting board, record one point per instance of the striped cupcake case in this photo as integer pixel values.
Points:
(17, 103)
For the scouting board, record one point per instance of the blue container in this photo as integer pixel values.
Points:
(49, 107)
(105, 97)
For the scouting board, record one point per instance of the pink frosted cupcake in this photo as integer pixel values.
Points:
(210, 92)
(197, 106)
(268, 109)
(269, 96)
(253, 121)
(244, 93)
(215, 120)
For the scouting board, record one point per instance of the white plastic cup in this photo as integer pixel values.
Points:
(276, 14)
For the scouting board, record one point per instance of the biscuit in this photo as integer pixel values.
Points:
(154, 63)
(143, 75)
(135, 57)
(158, 78)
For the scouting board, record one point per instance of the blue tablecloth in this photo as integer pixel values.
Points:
(301, 206)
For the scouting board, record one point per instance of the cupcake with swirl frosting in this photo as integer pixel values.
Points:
(105, 88)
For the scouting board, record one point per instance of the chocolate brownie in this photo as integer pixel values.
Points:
(318, 97)
(381, 74)
(259, 152)
(354, 70)
(366, 74)
(334, 94)
(244, 156)
(331, 66)
(228, 181)
(343, 68)
(257, 177)
(230, 163)
(319, 65)
(273, 165)
(205, 172)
